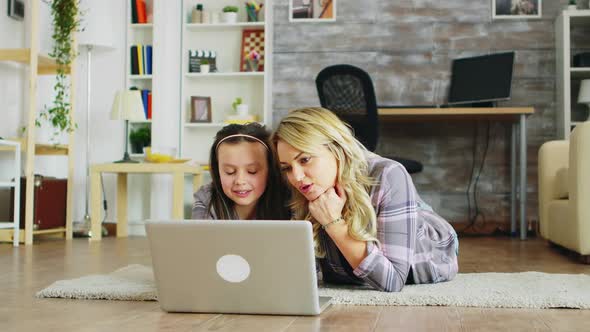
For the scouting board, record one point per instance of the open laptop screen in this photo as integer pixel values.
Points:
(481, 78)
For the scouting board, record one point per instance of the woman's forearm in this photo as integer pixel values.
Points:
(353, 250)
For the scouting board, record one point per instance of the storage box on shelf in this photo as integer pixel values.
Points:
(39, 64)
(139, 68)
(571, 37)
(222, 45)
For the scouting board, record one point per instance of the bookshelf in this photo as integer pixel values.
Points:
(228, 82)
(569, 25)
(39, 64)
(139, 34)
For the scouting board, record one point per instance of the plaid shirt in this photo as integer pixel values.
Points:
(414, 239)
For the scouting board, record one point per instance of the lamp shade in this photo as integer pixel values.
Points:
(128, 106)
(584, 94)
(96, 24)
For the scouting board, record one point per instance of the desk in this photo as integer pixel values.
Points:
(515, 114)
(122, 169)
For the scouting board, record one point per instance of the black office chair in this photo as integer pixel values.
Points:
(348, 92)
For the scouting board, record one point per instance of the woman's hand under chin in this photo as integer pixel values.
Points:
(328, 206)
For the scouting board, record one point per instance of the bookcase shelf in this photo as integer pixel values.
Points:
(229, 81)
(568, 78)
(216, 26)
(139, 34)
(225, 75)
(140, 77)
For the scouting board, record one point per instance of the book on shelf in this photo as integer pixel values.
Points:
(139, 12)
(146, 100)
(141, 59)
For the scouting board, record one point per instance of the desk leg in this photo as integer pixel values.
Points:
(197, 178)
(122, 205)
(523, 177)
(95, 198)
(178, 196)
(513, 180)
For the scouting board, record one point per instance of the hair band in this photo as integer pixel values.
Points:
(242, 135)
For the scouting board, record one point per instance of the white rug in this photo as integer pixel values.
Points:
(490, 290)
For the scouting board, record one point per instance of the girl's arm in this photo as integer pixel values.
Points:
(201, 202)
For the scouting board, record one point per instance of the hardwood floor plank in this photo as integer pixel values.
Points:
(28, 269)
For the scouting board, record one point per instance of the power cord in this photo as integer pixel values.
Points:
(477, 213)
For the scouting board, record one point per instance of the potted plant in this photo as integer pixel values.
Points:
(204, 66)
(240, 108)
(230, 14)
(572, 5)
(140, 138)
(65, 20)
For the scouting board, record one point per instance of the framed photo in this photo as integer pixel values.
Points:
(516, 9)
(312, 10)
(200, 109)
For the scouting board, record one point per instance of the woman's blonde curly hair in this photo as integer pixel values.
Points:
(307, 129)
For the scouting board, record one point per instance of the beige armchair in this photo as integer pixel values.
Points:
(564, 191)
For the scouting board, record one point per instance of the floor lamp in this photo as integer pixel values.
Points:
(96, 35)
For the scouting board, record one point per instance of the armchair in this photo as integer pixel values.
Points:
(564, 191)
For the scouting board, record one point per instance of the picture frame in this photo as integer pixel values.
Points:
(200, 109)
(516, 9)
(312, 10)
(252, 40)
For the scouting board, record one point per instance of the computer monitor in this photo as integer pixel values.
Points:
(481, 79)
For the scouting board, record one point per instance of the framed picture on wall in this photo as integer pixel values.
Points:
(200, 109)
(516, 9)
(312, 10)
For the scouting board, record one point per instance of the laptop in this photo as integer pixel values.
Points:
(242, 267)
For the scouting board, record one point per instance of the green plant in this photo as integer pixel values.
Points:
(230, 9)
(204, 62)
(236, 102)
(572, 2)
(66, 20)
(140, 137)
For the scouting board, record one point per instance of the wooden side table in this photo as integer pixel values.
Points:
(122, 170)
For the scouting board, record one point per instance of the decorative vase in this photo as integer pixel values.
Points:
(252, 65)
(204, 69)
(230, 17)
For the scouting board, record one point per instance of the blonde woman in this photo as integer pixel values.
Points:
(370, 225)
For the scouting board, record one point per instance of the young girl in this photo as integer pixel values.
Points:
(370, 225)
(246, 183)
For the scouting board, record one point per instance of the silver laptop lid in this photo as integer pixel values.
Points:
(261, 267)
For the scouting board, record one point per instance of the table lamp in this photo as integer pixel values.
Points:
(127, 106)
(584, 95)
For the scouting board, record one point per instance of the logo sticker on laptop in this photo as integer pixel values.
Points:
(233, 268)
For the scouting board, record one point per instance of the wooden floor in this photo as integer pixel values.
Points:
(26, 270)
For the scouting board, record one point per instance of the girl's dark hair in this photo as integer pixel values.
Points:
(273, 202)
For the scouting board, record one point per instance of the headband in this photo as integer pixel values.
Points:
(242, 135)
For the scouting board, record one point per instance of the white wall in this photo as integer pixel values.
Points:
(107, 136)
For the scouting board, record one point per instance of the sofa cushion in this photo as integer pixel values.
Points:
(561, 183)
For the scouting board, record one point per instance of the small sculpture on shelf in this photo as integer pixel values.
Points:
(252, 59)
(253, 10)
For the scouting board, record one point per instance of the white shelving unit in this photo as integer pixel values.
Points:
(138, 33)
(569, 112)
(15, 184)
(228, 83)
